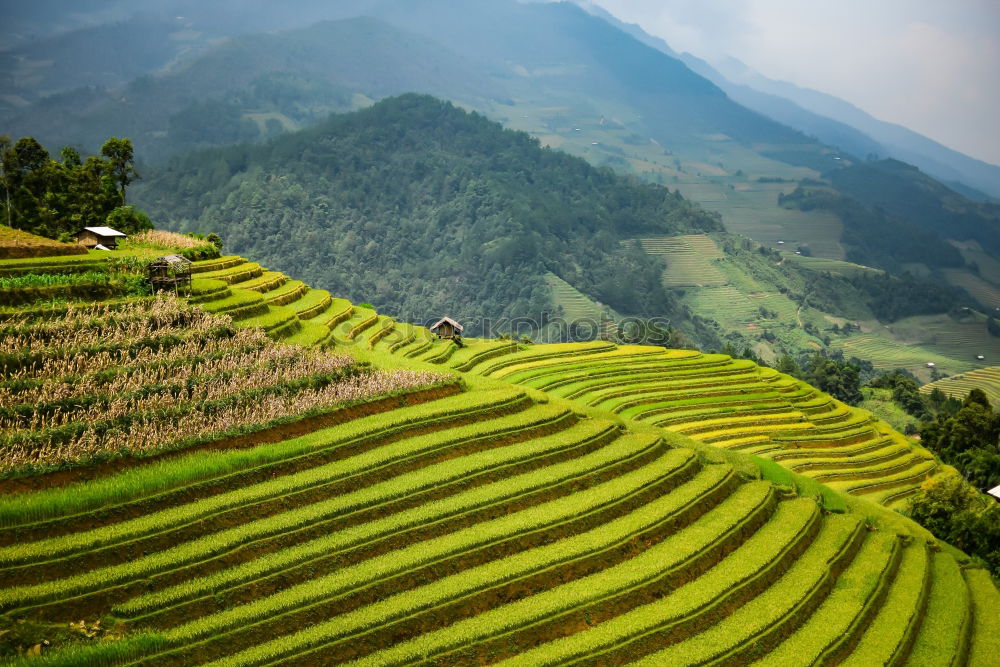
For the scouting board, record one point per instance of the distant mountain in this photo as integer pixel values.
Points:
(899, 142)
(779, 108)
(231, 93)
(830, 119)
(573, 57)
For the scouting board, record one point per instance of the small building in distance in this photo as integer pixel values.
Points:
(91, 237)
(448, 328)
(170, 272)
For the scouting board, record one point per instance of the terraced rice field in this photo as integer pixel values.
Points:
(887, 355)
(834, 266)
(753, 213)
(725, 304)
(728, 404)
(579, 309)
(987, 294)
(575, 503)
(964, 340)
(959, 386)
(689, 260)
(286, 309)
(482, 526)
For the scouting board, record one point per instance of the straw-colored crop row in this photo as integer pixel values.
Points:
(188, 475)
(61, 406)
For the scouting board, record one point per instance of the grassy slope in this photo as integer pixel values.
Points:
(15, 244)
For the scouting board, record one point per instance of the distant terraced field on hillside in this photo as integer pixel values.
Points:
(959, 386)
(689, 260)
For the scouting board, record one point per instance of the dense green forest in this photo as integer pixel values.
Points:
(56, 198)
(904, 191)
(424, 209)
(967, 436)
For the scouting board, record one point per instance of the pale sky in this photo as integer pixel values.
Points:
(930, 65)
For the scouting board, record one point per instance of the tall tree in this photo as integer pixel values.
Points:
(119, 153)
(6, 164)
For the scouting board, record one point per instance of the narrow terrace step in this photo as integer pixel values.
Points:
(526, 369)
(788, 456)
(467, 358)
(240, 304)
(876, 471)
(544, 620)
(846, 610)
(310, 334)
(222, 263)
(276, 322)
(311, 303)
(235, 274)
(910, 477)
(944, 635)
(723, 436)
(383, 534)
(269, 280)
(203, 291)
(445, 601)
(889, 637)
(613, 372)
(511, 363)
(289, 291)
(340, 310)
(865, 459)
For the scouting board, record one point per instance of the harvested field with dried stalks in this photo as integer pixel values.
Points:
(158, 375)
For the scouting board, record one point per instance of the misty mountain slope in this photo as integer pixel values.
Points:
(828, 118)
(105, 55)
(424, 209)
(776, 107)
(570, 53)
(556, 54)
(326, 63)
(904, 144)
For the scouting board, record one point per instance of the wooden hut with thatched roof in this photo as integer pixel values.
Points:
(170, 272)
(448, 328)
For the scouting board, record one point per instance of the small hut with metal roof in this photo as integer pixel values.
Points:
(170, 272)
(91, 237)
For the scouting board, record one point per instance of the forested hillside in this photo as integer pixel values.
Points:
(903, 190)
(424, 209)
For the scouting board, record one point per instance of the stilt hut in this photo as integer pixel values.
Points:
(448, 328)
(170, 272)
